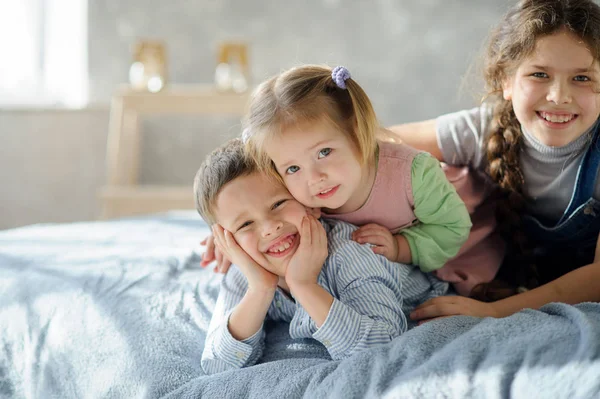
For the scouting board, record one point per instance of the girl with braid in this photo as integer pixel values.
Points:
(536, 137)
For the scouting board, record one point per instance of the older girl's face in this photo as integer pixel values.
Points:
(555, 91)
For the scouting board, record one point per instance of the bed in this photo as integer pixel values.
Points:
(120, 309)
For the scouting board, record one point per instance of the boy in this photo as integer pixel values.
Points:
(294, 268)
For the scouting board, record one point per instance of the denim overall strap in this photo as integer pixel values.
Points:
(570, 243)
(587, 175)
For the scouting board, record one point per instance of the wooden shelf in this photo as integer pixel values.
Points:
(184, 99)
(122, 196)
(118, 201)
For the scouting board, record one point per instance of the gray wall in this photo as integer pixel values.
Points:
(410, 57)
(51, 164)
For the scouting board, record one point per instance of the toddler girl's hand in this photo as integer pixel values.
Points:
(307, 262)
(258, 277)
(385, 242)
(213, 254)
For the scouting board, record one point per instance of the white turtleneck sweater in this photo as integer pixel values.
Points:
(549, 172)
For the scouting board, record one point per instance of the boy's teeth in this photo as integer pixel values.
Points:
(325, 192)
(557, 118)
(283, 246)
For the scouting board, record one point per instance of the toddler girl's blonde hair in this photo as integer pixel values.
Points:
(309, 94)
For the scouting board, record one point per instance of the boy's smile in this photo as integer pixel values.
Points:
(283, 245)
(264, 219)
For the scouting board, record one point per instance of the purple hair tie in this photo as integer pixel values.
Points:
(339, 75)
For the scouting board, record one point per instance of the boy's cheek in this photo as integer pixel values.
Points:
(260, 259)
(256, 255)
(248, 246)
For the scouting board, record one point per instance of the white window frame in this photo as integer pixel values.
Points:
(43, 53)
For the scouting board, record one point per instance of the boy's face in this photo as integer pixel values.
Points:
(263, 217)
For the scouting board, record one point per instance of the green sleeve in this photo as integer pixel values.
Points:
(444, 220)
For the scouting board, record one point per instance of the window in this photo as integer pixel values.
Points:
(43, 53)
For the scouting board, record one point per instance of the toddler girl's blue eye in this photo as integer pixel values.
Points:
(292, 169)
(539, 75)
(581, 78)
(324, 152)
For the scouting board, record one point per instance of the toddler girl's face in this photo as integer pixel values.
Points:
(318, 164)
(554, 90)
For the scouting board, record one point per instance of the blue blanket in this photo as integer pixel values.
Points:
(120, 309)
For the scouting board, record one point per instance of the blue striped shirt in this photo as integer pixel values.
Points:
(372, 300)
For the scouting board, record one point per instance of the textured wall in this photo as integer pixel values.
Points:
(408, 55)
(51, 165)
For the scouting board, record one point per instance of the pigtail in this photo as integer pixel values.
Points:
(365, 120)
(309, 93)
(503, 148)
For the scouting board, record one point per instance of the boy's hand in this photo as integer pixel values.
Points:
(258, 277)
(385, 242)
(307, 262)
(214, 254)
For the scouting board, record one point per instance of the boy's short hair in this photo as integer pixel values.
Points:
(221, 166)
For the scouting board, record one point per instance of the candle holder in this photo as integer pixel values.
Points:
(148, 72)
(232, 72)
